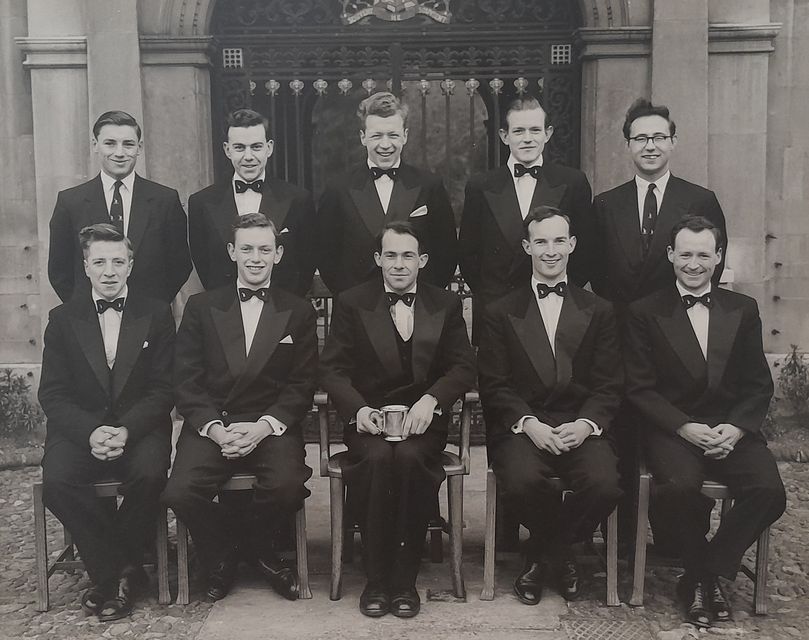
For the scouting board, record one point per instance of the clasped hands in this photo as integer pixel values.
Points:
(239, 439)
(107, 443)
(716, 442)
(557, 440)
(419, 417)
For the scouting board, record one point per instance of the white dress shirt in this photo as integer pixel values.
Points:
(524, 185)
(643, 188)
(108, 182)
(384, 186)
(699, 315)
(249, 201)
(402, 314)
(110, 322)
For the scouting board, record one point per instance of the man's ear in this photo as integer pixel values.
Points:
(670, 254)
(503, 136)
(526, 246)
(548, 132)
(573, 242)
(377, 259)
(279, 253)
(270, 147)
(719, 253)
(423, 258)
(232, 251)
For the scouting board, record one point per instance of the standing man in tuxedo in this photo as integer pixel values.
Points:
(354, 208)
(635, 218)
(550, 383)
(493, 261)
(106, 391)
(212, 211)
(244, 379)
(697, 375)
(147, 213)
(395, 341)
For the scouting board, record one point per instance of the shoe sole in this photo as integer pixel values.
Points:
(530, 603)
(408, 614)
(374, 614)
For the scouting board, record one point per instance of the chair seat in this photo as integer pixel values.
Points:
(451, 461)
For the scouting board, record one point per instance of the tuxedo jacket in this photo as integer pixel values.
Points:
(79, 392)
(350, 216)
(623, 274)
(669, 381)
(216, 380)
(520, 376)
(212, 212)
(360, 365)
(492, 260)
(157, 230)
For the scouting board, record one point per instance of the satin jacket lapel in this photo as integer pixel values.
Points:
(272, 325)
(427, 326)
(139, 213)
(574, 320)
(722, 328)
(531, 332)
(626, 220)
(134, 330)
(228, 324)
(547, 193)
(274, 207)
(88, 333)
(405, 193)
(366, 199)
(505, 208)
(379, 327)
(677, 329)
(224, 212)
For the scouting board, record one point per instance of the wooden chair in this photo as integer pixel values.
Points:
(710, 489)
(66, 561)
(244, 482)
(611, 538)
(456, 466)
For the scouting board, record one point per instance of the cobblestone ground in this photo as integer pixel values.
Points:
(787, 589)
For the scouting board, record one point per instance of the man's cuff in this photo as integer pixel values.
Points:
(597, 431)
(278, 427)
(203, 430)
(517, 426)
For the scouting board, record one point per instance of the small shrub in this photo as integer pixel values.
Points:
(20, 414)
(793, 380)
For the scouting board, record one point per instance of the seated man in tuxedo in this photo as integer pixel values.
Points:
(106, 391)
(698, 378)
(245, 372)
(395, 341)
(550, 384)
(355, 206)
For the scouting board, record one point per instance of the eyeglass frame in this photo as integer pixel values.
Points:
(657, 139)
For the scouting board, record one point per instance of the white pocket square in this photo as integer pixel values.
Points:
(286, 340)
(285, 230)
(421, 211)
(145, 344)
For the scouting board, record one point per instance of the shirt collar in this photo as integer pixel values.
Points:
(395, 165)
(512, 161)
(236, 176)
(660, 183)
(412, 290)
(683, 291)
(109, 182)
(535, 282)
(97, 296)
(241, 285)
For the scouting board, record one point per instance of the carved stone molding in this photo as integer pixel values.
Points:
(742, 38)
(624, 42)
(189, 51)
(54, 53)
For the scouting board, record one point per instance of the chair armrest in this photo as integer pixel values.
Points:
(322, 404)
(471, 398)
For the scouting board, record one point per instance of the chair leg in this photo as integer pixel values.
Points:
(455, 503)
(762, 561)
(611, 540)
(163, 594)
(183, 587)
(487, 593)
(302, 554)
(641, 533)
(337, 532)
(41, 544)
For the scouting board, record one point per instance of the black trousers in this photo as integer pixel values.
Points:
(523, 470)
(751, 474)
(108, 539)
(393, 489)
(200, 469)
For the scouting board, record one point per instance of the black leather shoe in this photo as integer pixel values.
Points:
(692, 593)
(221, 579)
(120, 606)
(718, 601)
(569, 585)
(374, 601)
(92, 600)
(405, 604)
(528, 585)
(282, 578)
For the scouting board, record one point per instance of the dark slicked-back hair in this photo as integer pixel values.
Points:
(696, 224)
(121, 118)
(383, 104)
(252, 220)
(540, 213)
(525, 102)
(641, 108)
(248, 118)
(402, 228)
(102, 232)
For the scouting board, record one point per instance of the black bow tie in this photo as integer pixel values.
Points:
(103, 305)
(393, 298)
(543, 290)
(520, 170)
(705, 299)
(377, 173)
(262, 294)
(242, 186)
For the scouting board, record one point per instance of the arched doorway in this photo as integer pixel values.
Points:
(456, 63)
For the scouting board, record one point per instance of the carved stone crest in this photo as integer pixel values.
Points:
(394, 10)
